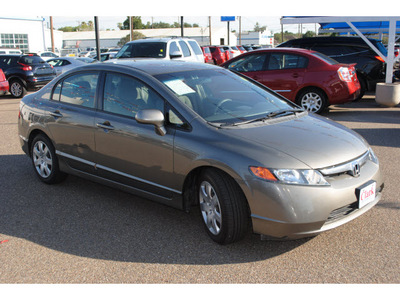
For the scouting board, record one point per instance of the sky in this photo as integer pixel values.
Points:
(72, 12)
(247, 22)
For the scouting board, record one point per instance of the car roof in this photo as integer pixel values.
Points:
(283, 49)
(342, 39)
(152, 40)
(155, 66)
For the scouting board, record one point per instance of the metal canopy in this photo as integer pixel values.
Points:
(359, 26)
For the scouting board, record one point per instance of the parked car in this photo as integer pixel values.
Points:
(4, 86)
(163, 48)
(241, 49)
(232, 52)
(218, 54)
(64, 64)
(207, 55)
(25, 72)
(10, 51)
(187, 134)
(105, 56)
(48, 55)
(308, 78)
(89, 54)
(248, 48)
(370, 67)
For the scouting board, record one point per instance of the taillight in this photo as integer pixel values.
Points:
(379, 58)
(25, 67)
(345, 74)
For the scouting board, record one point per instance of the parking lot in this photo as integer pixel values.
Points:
(82, 232)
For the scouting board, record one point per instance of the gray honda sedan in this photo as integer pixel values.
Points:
(196, 135)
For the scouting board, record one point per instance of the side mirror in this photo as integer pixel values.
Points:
(154, 117)
(175, 54)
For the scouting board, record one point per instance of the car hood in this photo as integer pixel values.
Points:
(316, 141)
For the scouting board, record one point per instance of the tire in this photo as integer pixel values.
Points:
(363, 88)
(223, 207)
(17, 88)
(312, 100)
(44, 160)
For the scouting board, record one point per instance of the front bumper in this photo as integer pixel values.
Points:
(288, 211)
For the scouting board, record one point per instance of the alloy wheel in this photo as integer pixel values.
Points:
(210, 208)
(42, 159)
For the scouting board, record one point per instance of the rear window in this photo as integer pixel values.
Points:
(325, 58)
(206, 50)
(31, 59)
(147, 49)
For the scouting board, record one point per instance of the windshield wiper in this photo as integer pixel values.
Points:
(284, 112)
(274, 114)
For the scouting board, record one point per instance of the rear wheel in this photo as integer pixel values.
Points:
(44, 160)
(223, 207)
(312, 100)
(17, 88)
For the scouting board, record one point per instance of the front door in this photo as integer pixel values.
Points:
(127, 152)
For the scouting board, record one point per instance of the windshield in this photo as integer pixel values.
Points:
(145, 49)
(220, 96)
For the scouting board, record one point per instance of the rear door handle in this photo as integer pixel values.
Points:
(56, 114)
(105, 125)
(295, 75)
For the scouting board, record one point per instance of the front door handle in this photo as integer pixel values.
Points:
(105, 125)
(56, 114)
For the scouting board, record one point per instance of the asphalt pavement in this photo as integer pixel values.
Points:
(83, 232)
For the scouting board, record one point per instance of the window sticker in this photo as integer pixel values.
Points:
(179, 87)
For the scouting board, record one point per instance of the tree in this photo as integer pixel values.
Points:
(259, 28)
(136, 36)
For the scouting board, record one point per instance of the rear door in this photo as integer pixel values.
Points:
(71, 113)
(284, 73)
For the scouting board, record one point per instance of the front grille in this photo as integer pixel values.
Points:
(342, 212)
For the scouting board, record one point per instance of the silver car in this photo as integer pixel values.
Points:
(196, 135)
(64, 64)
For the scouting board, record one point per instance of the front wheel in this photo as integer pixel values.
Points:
(223, 207)
(312, 100)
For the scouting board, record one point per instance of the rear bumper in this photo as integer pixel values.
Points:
(34, 82)
(4, 86)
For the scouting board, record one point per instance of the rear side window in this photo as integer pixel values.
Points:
(280, 61)
(185, 48)
(79, 89)
(196, 48)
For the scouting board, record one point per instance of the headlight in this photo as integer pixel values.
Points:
(372, 156)
(290, 176)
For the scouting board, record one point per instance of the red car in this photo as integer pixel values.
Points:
(3, 83)
(218, 54)
(308, 78)
(207, 55)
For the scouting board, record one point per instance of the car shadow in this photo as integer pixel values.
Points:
(86, 219)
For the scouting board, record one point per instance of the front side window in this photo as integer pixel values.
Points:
(79, 89)
(185, 48)
(249, 63)
(126, 95)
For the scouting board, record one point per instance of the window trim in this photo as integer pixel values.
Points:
(62, 84)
